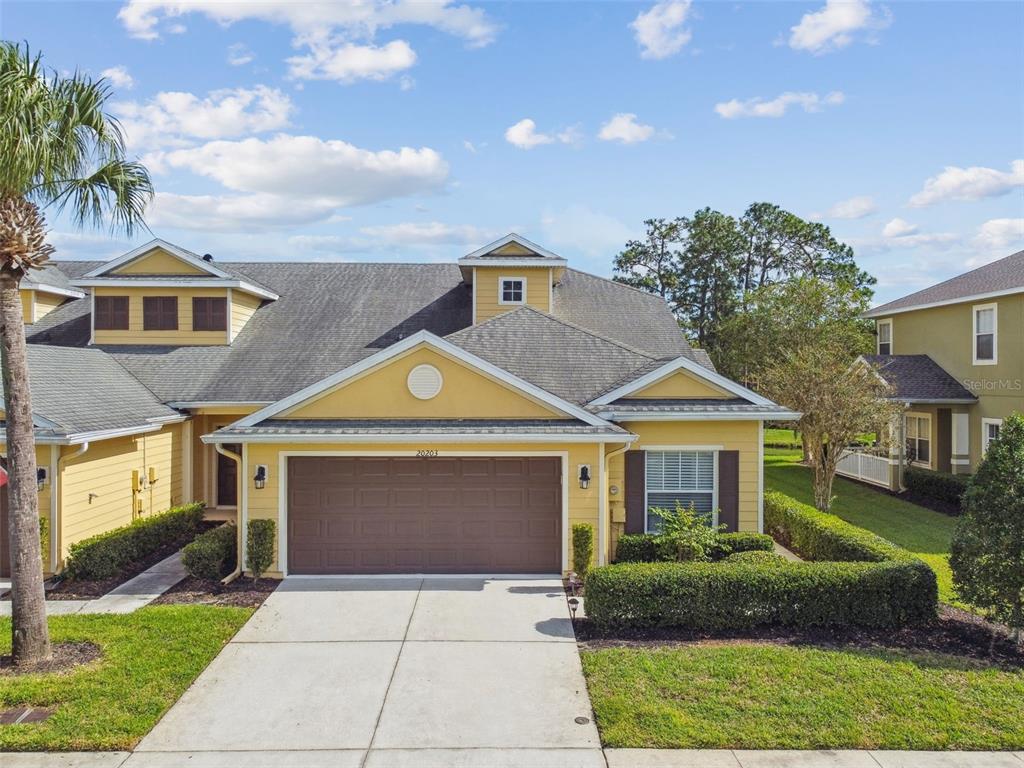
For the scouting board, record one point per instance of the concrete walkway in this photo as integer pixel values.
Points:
(130, 596)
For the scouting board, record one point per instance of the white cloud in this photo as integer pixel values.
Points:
(578, 228)
(899, 228)
(854, 208)
(972, 183)
(624, 127)
(337, 37)
(239, 54)
(1001, 234)
(525, 135)
(411, 234)
(659, 30)
(119, 77)
(349, 62)
(777, 107)
(834, 26)
(308, 169)
(469, 146)
(172, 118)
(233, 213)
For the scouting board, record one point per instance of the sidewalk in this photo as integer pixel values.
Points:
(130, 596)
(743, 758)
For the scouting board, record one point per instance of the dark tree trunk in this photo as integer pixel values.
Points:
(30, 636)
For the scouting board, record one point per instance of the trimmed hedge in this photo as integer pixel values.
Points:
(212, 555)
(940, 486)
(108, 554)
(259, 547)
(816, 535)
(860, 579)
(737, 596)
(646, 548)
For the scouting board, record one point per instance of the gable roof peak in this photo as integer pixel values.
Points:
(190, 258)
(512, 248)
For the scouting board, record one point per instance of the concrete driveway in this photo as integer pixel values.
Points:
(361, 673)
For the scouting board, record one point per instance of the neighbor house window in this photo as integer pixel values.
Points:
(989, 432)
(919, 433)
(111, 313)
(885, 337)
(512, 290)
(160, 313)
(209, 314)
(680, 477)
(985, 330)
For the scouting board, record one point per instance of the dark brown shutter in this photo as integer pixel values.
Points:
(111, 313)
(636, 491)
(729, 489)
(160, 313)
(209, 314)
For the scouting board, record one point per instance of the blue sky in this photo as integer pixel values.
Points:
(419, 131)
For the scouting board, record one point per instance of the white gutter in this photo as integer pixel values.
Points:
(619, 416)
(238, 515)
(414, 437)
(882, 311)
(212, 282)
(55, 490)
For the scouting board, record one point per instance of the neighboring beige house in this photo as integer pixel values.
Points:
(391, 418)
(954, 354)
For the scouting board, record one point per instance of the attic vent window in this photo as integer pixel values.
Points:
(512, 290)
(424, 382)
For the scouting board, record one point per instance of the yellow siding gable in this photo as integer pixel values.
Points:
(243, 307)
(46, 303)
(512, 249)
(680, 384)
(158, 262)
(183, 336)
(383, 392)
(486, 287)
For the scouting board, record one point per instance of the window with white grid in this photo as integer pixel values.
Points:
(680, 477)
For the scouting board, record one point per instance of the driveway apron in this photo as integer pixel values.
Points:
(371, 673)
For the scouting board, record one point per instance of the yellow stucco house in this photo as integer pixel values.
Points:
(391, 418)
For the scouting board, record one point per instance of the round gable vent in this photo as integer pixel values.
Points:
(424, 381)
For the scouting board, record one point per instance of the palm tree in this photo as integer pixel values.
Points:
(58, 147)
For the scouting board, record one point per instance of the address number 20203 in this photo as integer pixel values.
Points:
(426, 453)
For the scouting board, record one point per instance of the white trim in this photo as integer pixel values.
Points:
(55, 290)
(89, 437)
(243, 507)
(931, 443)
(713, 450)
(985, 423)
(623, 416)
(474, 296)
(878, 336)
(189, 404)
(282, 492)
(156, 282)
(227, 320)
(760, 479)
(152, 245)
(439, 344)
(187, 491)
(92, 317)
(883, 310)
(684, 364)
(975, 309)
(420, 437)
(960, 462)
(511, 237)
(501, 291)
(55, 491)
(681, 448)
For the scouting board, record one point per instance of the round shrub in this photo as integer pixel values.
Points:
(212, 555)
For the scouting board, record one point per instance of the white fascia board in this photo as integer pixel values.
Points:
(156, 282)
(152, 245)
(436, 342)
(883, 311)
(618, 416)
(175, 419)
(514, 261)
(421, 438)
(45, 288)
(511, 237)
(190, 404)
(77, 438)
(684, 364)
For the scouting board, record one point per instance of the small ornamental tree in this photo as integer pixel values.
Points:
(988, 544)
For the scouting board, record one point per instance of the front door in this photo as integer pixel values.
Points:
(227, 478)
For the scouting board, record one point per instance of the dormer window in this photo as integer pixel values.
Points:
(111, 313)
(512, 290)
(209, 314)
(160, 313)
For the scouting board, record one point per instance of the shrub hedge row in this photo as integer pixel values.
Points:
(941, 486)
(860, 580)
(644, 547)
(109, 554)
(212, 555)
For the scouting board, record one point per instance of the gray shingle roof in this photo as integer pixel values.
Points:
(625, 406)
(1002, 275)
(918, 378)
(85, 390)
(285, 427)
(49, 274)
(331, 315)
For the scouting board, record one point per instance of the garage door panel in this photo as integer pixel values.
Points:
(413, 515)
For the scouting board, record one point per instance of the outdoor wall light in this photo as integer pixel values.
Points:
(260, 478)
(41, 478)
(584, 476)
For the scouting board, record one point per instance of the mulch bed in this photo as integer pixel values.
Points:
(65, 658)
(954, 632)
(241, 592)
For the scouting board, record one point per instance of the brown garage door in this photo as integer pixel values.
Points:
(424, 515)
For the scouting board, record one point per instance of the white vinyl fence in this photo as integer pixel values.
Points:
(866, 466)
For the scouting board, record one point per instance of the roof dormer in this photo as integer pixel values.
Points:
(161, 294)
(509, 273)
(43, 290)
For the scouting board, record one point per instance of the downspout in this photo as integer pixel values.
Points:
(606, 512)
(57, 503)
(238, 514)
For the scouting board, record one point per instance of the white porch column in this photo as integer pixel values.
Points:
(961, 448)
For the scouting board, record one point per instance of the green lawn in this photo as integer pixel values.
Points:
(149, 658)
(754, 696)
(780, 437)
(925, 533)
